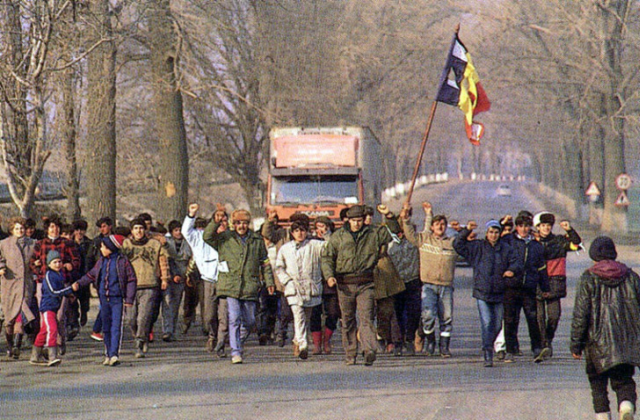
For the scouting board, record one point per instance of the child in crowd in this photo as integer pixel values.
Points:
(53, 290)
(115, 280)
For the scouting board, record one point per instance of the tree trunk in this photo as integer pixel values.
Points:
(169, 121)
(69, 140)
(101, 116)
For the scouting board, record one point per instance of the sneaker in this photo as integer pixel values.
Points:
(114, 361)
(509, 358)
(542, 355)
(626, 410)
(105, 362)
(151, 337)
(369, 358)
(167, 337)
(97, 336)
(236, 360)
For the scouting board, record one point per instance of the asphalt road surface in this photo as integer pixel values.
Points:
(181, 381)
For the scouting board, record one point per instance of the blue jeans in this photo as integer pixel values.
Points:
(111, 313)
(437, 302)
(490, 322)
(242, 313)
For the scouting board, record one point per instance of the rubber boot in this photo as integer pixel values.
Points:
(317, 342)
(444, 347)
(431, 344)
(9, 338)
(326, 340)
(17, 345)
(37, 358)
(54, 360)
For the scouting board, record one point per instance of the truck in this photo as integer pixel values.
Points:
(320, 171)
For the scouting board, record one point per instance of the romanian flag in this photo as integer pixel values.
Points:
(463, 89)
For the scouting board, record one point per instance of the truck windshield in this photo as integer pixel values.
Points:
(314, 189)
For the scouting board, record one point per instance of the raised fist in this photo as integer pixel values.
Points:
(565, 225)
(193, 209)
(472, 225)
(426, 206)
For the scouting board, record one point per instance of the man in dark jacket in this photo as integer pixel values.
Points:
(606, 325)
(492, 262)
(348, 260)
(520, 291)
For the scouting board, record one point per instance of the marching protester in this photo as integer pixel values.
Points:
(298, 267)
(105, 226)
(214, 307)
(348, 261)
(556, 248)
(179, 255)
(492, 262)
(520, 290)
(330, 308)
(150, 261)
(116, 282)
(17, 288)
(606, 328)
(244, 259)
(437, 267)
(53, 292)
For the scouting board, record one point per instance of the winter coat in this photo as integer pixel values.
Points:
(437, 256)
(179, 256)
(242, 263)
(68, 252)
(386, 279)
(53, 290)
(556, 248)
(489, 263)
(204, 255)
(126, 277)
(17, 287)
(298, 269)
(530, 253)
(606, 316)
(406, 259)
(150, 261)
(348, 256)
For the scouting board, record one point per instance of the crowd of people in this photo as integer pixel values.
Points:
(390, 287)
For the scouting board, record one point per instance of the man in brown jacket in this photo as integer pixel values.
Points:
(437, 266)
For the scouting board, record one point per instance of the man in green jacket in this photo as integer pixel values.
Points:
(243, 261)
(348, 260)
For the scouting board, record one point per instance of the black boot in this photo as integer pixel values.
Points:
(488, 358)
(17, 344)
(431, 344)
(9, 338)
(444, 347)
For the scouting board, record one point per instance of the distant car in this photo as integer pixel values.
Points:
(504, 191)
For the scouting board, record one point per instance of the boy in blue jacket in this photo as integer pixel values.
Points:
(53, 290)
(116, 282)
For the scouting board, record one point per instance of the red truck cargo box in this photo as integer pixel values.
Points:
(316, 150)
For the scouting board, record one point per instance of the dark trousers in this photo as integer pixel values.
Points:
(549, 312)
(267, 312)
(194, 296)
(622, 383)
(331, 309)
(408, 306)
(388, 328)
(360, 299)
(111, 311)
(516, 299)
(285, 316)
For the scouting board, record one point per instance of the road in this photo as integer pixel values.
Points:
(181, 381)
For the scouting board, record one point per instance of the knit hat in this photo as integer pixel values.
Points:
(52, 255)
(493, 224)
(603, 248)
(544, 217)
(241, 216)
(328, 222)
(113, 242)
(355, 211)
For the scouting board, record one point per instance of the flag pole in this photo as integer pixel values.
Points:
(425, 138)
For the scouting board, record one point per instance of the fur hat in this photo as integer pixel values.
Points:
(113, 242)
(355, 211)
(602, 248)
(544, 217)
(241, 215)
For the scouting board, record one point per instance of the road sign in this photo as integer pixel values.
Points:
(592, 189)
(622, 200)
(623, 182)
